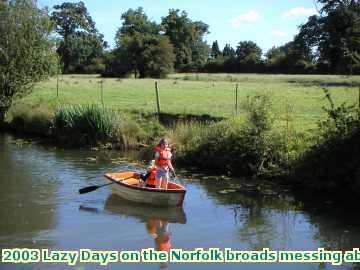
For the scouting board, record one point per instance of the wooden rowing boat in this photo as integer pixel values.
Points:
(129, 186)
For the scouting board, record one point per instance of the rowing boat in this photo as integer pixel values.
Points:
(129, 186)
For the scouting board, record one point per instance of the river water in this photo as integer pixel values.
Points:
(40, 208)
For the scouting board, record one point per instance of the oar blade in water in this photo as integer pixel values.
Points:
(88, 189)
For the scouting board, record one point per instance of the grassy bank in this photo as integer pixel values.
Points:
(269, 138)
(249, 145)
(200, 94)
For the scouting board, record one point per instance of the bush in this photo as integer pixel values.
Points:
(333, 162)
(35, 120)
(238, 147)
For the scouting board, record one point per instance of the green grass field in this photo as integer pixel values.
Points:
(301, 96)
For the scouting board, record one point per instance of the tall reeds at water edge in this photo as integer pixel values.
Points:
(87, 124)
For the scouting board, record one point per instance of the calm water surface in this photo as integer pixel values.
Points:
(40, 208)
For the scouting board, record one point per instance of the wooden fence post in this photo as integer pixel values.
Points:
(157, 98)
(57, 84)
(236, 99)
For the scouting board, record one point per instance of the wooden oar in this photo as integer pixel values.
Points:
(92, 188)
(174, 177)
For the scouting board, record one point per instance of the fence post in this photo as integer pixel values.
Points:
(157, 98)
(287, 119)
(236, 99)
(57, 84)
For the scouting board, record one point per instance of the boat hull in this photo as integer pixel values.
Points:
(127, 187)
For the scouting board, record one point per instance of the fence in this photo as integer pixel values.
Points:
(295, 98)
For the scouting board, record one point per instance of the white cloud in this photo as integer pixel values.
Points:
(299, 12)
(248, 17)
(278, 33)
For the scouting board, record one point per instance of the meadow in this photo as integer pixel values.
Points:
(297, 99)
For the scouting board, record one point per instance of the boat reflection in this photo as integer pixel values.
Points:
(144, 212)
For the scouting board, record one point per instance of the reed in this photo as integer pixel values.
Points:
(87, 124)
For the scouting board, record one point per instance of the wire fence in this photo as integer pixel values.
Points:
(299, 99)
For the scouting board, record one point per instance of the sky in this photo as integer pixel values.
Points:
(267, 22)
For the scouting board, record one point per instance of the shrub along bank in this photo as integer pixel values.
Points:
(333, 161)
(250, 146)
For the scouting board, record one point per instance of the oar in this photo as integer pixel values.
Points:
(92, 188)
(174, 177)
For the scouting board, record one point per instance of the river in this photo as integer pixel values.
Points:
(40, 208)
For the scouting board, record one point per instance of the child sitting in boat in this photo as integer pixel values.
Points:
(149, 177)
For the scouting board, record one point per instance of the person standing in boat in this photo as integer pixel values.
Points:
(163, 163)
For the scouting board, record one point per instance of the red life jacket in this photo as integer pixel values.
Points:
(163, 242)
(164, 156)
(152, 177)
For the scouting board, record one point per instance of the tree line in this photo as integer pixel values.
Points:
(143, 47)
(328, 43)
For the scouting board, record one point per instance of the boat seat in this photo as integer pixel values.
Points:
(132, 181)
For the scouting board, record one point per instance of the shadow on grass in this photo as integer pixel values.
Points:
(323, 83)
(168, 119)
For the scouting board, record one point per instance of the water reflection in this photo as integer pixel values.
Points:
(157, 220)
(143, 212)
(27, 204)
(279, 219)
(159, 230)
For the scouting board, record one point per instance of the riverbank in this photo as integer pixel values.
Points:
(260, 142)
(250, 146)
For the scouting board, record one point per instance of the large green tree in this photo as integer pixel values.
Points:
(187, 38)
(248, 56)
(335, 34)
(81, 44)
(293, 57)
(26, 54)
(248, 52)
(274, 57)
(141, 48)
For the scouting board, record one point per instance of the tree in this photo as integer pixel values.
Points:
(248, 52)
(274, 57)
(187, 38)
(335, 35)
(157, 57)
(136, 22)
(228, 51)
(215, 51)
(293, 57)
(141, 49)
(26, 54)
(331, 5)
(81, 44)
(248, 56)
